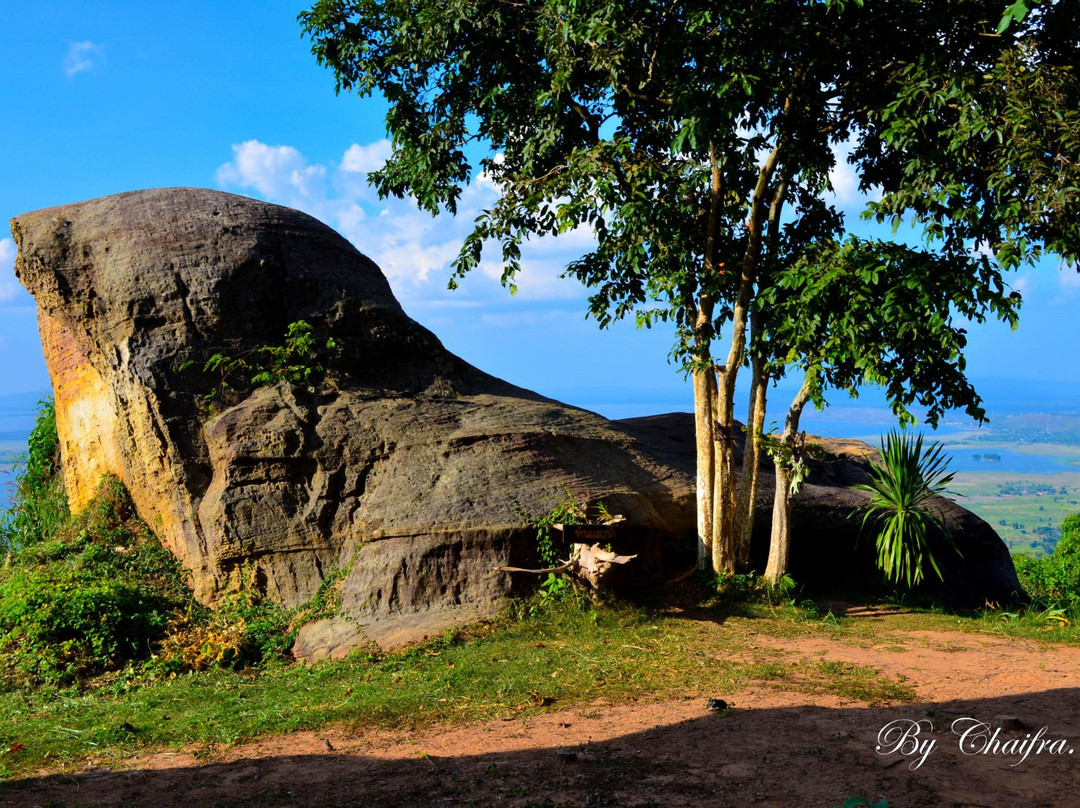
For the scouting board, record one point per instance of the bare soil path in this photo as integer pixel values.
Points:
(774, 748)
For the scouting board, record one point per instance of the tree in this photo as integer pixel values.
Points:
(695, 140)
(867, 312)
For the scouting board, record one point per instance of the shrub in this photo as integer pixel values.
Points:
(1053, 581)
(97, 593)
(86, 595)
(299, 361)
(246, 630)
(103, 593)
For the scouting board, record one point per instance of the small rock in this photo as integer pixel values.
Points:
(888, 761)
(1009, 723)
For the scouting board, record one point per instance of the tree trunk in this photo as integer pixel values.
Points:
(745, 505)
(725, 482)
(780, 540)
(704, 402)
(725, 489)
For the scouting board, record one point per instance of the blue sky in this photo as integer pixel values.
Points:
(106, 97)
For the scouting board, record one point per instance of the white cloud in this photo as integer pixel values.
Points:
(413, 249)
(845, 182)
(552, 319)
(9, 287)
(82, 57)
(1070, 278)
(362, 159)
(279, 173)
(1024, 283)
(845, 179)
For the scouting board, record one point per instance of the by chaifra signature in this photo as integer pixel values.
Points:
(910, 738)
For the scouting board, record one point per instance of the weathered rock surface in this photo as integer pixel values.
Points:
(405, 464)
(826, 550)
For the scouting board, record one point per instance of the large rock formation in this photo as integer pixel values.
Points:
(829, 550)
(403, 462)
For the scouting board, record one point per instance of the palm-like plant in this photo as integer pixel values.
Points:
(900, 489)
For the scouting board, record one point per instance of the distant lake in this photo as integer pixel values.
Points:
(963, 459)
(871, 431)
(15, 427)
(959, 447)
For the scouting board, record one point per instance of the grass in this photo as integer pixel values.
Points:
(506, 668)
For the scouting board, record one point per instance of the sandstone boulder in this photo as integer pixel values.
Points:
(403, 463)
(827, 551)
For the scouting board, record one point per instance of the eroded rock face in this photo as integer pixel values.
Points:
(828, 552)
(404, 463)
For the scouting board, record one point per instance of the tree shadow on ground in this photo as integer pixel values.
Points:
(787, 756)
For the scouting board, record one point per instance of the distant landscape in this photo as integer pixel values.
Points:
(16, 421)
(1022, 476)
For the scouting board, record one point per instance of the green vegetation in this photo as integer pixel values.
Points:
(1053, 581)
(39, 506)
(87, 598)
(513, 667)
(901, 489)
(96, 596)
(100, 595)
(1048, 430)
(507, 668)
(299, 361)
(566, 512)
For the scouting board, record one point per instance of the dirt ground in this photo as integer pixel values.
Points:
(773, 748)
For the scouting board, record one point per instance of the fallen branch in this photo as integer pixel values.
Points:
(588, 563)
(562, 568)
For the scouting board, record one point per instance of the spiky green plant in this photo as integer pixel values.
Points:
(901, 488)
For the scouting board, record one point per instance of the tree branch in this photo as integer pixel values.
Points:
(648, 99)
(791, 422)
(748, 275)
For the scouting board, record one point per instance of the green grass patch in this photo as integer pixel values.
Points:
(508, 668)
